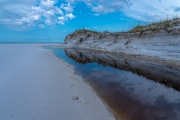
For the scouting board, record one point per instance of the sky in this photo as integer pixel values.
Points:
(53, 20)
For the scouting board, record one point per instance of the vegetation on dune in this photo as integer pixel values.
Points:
(166, 25)
(137, 29)
(157, 26)
(86, 31)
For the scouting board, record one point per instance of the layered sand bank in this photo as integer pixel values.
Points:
(159, 42)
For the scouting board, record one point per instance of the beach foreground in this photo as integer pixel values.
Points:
(36, 85)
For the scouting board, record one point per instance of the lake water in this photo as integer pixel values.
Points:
(131, 89)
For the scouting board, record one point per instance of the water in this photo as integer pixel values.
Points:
(132, 89)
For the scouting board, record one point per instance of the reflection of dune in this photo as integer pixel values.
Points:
(164, 74)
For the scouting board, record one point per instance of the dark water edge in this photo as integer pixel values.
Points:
(132, 89)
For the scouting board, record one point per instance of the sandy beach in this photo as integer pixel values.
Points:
(36, 85)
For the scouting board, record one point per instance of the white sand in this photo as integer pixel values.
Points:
(36, 85)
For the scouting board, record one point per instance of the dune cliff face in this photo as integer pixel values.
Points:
(153, 41)
(156, 44)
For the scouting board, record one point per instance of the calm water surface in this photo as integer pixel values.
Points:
(132, 89)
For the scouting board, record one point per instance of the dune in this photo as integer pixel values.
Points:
(159, 42)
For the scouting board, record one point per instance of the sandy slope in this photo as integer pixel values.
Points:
(35, 85)
(157, 46)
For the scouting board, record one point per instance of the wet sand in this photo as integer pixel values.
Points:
(34, 84)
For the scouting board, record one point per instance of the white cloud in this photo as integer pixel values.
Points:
(138, 9)
(67, 7)
(41, 26)
(106, 6)
(22, 14)
(47, 4)
(96, 14)
(70, 16)
(58, 11)
(61, 18)
(156, 10)
(70, 1)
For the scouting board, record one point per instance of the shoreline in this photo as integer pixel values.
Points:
(35, 84)
(87, 101)
(148, 58)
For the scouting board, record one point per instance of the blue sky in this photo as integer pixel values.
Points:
(52, 20)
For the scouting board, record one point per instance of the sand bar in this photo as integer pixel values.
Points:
(36, 85)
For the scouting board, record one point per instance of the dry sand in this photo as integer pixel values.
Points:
(36, 85)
